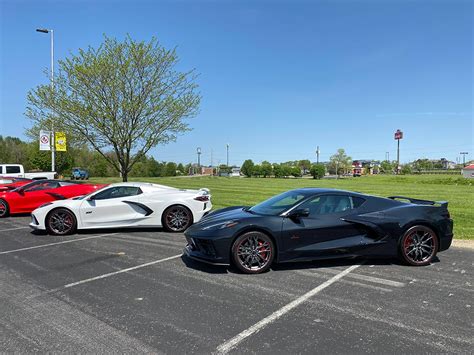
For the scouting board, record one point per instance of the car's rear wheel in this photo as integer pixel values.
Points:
(177, 218)
(4, 209)
(61, 221)
(419, 245)
(253, 252)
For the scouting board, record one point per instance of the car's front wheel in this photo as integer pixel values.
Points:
(61, 221)
(418, 246)
(253, 252)
(4, 209)
(177, 218)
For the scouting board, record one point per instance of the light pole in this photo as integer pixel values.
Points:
(227, 154)
(317, 155)
(53, 148)
(464, 158)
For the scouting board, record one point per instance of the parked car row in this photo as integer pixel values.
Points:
(297, 225)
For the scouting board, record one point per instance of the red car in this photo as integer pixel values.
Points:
(27, 198)
(10, 183)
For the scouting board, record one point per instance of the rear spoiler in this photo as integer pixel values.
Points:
(421, 202)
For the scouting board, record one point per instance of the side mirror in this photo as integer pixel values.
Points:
(299, 213)
(91, 198)
(21, 191)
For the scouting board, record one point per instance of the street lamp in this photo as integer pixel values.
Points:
(44, 30)
(227, 154)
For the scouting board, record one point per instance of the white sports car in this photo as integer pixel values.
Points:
(124, 205)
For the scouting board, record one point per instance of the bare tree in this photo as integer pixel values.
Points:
(125, 97)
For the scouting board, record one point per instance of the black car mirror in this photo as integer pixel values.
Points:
(299, 213)
(91, 198)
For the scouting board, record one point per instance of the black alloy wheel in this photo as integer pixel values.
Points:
(61, 221)
(253, 252)
(418, 246)
(4, 210)
(177, 218)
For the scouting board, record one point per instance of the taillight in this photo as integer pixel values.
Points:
(446, 215)
(202, 198)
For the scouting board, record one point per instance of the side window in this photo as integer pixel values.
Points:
(118, 191)
(328, 204)
(13, 169)
(1, 169)
(43, 186)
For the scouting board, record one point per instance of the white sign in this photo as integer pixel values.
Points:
(44, 139)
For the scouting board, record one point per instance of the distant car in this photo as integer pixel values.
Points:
(79, 174)
(125, 205)
(312, 223)
(10, 183)
(26, 198)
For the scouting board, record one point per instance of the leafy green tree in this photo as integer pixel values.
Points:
(170, 169)
(267, 168)
(257, 170)
(305, 165)
(387, 167)
(406, 169)
(341, 160)
(317, 171)
(247, 168)
(295, 171)
(181, 169)
(122, 97)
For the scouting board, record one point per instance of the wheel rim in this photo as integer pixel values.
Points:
(61, 222)
(254, 252)
(3, 208)
(177, 219)
(419, 246)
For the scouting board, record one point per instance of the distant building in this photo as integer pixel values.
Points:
(235, 172)
(365, 167)
(468, 171)
(447, 164)
(205, 170)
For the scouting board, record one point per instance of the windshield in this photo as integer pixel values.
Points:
(91, 193)
(279, 203)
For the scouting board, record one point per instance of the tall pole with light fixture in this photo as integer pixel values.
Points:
(317, 155)
(227, 154)
(53, 148)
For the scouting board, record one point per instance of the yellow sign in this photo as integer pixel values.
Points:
(60, 141)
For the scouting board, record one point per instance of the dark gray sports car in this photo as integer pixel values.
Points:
(312, 223)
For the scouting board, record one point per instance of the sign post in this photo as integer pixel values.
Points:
(398, 136)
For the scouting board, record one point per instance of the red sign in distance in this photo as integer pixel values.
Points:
(398, 134)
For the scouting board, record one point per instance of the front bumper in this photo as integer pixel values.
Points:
(207, 250)
(34, 224)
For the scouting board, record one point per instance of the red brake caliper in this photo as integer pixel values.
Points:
(262, 250)
(407, 243)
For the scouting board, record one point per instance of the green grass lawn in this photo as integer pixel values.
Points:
(244, 191)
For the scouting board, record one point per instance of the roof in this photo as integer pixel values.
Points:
(469, 167)
(318, 190)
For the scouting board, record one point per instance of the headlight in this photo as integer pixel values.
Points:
(222, 225)
(45, 204)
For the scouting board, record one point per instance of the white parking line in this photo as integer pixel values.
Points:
(56, 243)
(118, 272)
(225, 347)
(370, 279)
(13, 229)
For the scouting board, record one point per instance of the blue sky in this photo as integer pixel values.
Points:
(278, 78)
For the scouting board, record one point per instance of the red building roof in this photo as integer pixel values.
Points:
(469, 167)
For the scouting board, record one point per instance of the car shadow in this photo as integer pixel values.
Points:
(297, 265)
(113, 230)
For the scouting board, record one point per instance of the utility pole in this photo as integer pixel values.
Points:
(211, 158)
(387, 156)
(227, 154)
(198, 151)
(464, 158)
(53, 148)
(317, 155)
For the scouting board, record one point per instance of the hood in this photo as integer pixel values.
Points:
(223, 215)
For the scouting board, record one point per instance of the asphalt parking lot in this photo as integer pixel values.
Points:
(131, 291)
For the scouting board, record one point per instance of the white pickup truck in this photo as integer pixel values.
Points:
(17, 170)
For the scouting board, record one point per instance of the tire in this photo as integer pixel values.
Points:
(253, 252)
(177, 218)
(4, 209)
(418, 246)
(61, 221)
